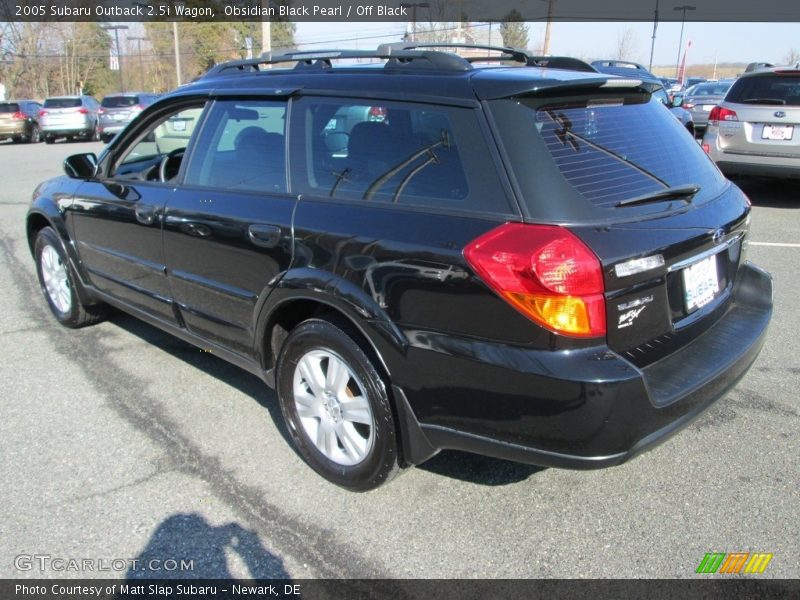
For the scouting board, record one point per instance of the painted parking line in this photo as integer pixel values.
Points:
(775, 244)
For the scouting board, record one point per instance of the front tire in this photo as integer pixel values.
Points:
(57, 281)
(336, 407)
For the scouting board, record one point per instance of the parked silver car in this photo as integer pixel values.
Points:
(69, 117)
(701, 98)
(117, 110)
(755, 130)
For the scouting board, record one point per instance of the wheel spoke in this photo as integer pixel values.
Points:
(354, 445)
(307, 404)
(312, 374)
(337, 376)
(326, 438)
(357, 410)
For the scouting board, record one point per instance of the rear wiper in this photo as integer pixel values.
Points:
(777, 101)
(685, 192)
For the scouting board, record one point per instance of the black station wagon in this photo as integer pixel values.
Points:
(536, 263)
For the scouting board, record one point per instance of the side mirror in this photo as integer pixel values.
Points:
(677, 101)
(81, 166)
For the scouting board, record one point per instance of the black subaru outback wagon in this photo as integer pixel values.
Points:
(533, 263)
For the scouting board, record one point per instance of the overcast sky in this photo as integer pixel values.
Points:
(728, 42)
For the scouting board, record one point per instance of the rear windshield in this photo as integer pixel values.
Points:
(119, 101)
(62, 102)
(607, 149)
(9, 107)
(711, 89)
(766, 89)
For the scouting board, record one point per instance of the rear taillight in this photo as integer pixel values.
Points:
(101, 111)
(720, 113)
(377, 113)
(83, 111)
(546, 273)
(137, 107)
(687, 105)
(42, 113)
(20, 116)
(706, 148)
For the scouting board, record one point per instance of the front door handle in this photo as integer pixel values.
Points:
(145, 213)
(266, 236)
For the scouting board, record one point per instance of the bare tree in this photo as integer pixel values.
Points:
(514, 31)
(791, 57)
(626, 44)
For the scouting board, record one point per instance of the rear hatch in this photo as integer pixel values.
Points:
(119, 109)
(63, 111)
(10, 116)
(761, 115)
(621, 173)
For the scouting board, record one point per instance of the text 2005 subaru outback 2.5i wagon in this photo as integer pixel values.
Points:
(533, 263)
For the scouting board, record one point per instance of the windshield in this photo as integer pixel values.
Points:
(62, 102)
(710, 89)
(767, 89)
(607, 149)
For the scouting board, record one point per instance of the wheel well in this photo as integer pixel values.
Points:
(35, 224)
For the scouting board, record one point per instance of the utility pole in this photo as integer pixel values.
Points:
(139, 41)
(115, 29)
(266, 29)
(551, 5)
(414, 6)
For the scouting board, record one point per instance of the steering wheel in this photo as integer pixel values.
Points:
(170, 164)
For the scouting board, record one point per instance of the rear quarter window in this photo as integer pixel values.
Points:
(387, 152)
(9, 107)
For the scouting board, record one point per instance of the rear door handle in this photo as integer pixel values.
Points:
(266, 236)
(145, 213)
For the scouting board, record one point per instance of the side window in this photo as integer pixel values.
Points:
(391, 152)
(242, 147)
(162, 141)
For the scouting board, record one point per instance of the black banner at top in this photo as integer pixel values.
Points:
(401, 10)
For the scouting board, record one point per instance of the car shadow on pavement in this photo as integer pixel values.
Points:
(772, 193)
(482, 470)
(186, 546)
(209, 364)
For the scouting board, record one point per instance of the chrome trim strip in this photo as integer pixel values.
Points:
(703, 255)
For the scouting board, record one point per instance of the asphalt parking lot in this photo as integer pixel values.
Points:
(121, 442)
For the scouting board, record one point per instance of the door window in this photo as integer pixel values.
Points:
(242, 147)
(156, 154)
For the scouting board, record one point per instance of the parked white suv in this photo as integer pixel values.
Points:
(755, 130)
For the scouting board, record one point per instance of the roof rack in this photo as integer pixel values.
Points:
(321, 59)
(398, 55)
(508, 53)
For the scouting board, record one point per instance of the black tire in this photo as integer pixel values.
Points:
(69, 139)
(16, 139)
(105, 138)
(690, 128)
(72, 313)
(35, 136)
(49, 139)
(380, 461)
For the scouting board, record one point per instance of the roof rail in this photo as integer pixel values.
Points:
(321, 59)
(511, 53)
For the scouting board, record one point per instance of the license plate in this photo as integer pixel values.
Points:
(708, 107)
(777, 132)
(179, 125)
(120, 116)
(700, 283)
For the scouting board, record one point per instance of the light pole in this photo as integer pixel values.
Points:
(115, 29)
(653, 41)
(551, 5)
(683, 8)
(414, 6)
(139, 41)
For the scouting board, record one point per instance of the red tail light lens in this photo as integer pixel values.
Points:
(83, 111)
(20, 116)
(137, 107)
(101, 111)
(720, 113)
(687, 105)
(546, 273)
(377, 113)
(42, 113)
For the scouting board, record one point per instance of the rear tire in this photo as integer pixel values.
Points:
(336, 407)
(36, 135)
(49, 139)
(57, 281)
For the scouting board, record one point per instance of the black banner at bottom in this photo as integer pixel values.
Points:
(355, 589)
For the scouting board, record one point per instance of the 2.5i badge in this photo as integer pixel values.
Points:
(631, 310)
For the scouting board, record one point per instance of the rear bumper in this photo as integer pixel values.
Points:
(12, 130)
(750, 163)
(111, 128)
(67, 129)
(584, 409)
